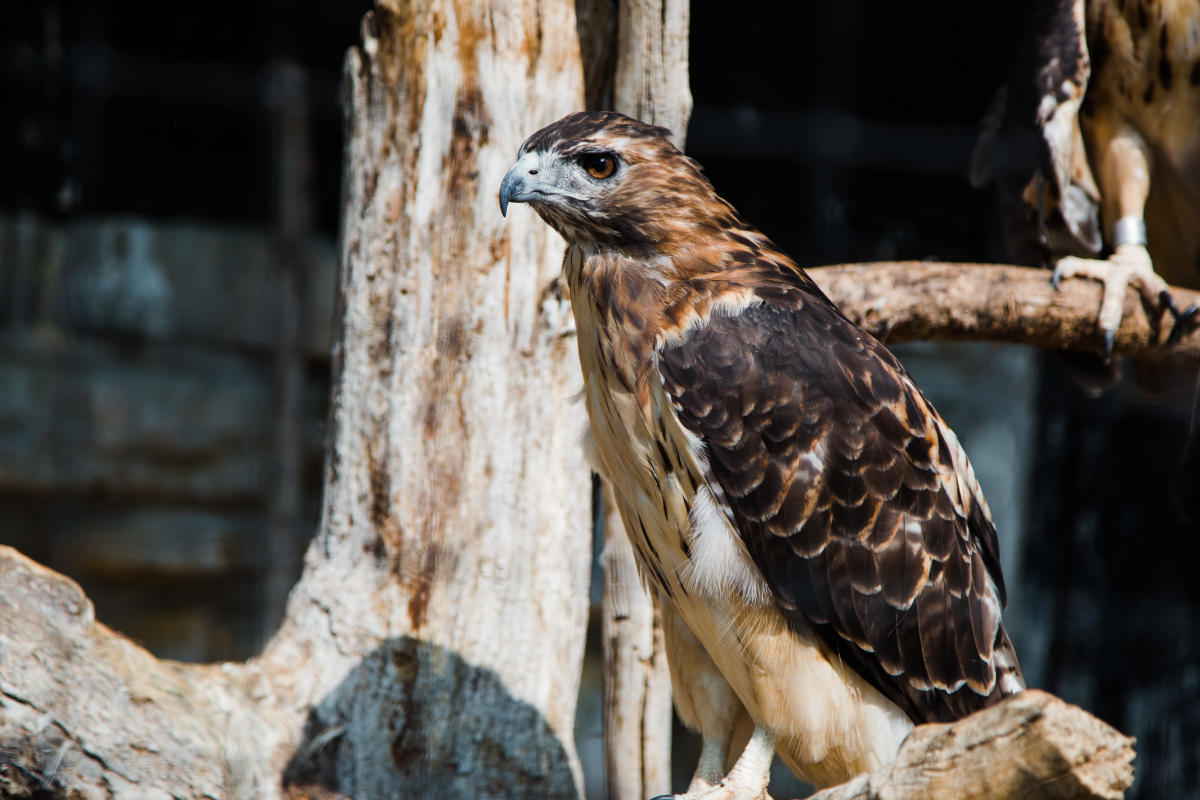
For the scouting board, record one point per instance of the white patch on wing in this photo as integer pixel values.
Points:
(991, 599)
(814, 460)
(729, 304)
(719, 562)
(1007, 669)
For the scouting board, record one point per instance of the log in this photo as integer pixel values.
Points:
(900, 301)
(1033, 746)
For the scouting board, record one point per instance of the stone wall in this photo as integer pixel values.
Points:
(137, 399)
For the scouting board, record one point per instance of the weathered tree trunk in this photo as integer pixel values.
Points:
(433, 644)
(456, 491)
(650, 83)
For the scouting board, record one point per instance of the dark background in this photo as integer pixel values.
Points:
(168, 208)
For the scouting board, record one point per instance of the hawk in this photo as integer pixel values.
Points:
(827, 566)
(1094, 144)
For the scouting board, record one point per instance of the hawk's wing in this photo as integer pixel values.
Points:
(851, 496)
(1030, 144)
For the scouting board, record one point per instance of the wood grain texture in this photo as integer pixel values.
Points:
(433, 645)
(650, 83)
(900, 301)
(457, 500)
(1032, 745)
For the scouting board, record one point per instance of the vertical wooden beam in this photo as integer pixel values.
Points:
(651, 83)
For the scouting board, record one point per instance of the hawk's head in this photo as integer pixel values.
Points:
(603, 177)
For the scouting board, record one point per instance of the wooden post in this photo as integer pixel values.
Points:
(651, 84)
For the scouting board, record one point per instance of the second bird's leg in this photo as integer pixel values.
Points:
(1123, 174)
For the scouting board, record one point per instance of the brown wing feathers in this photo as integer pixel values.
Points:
(835, 471)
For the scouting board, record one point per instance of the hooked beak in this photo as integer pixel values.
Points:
(519, 185)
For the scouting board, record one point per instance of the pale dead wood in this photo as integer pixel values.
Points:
(650, 83)
(88, 712)
(652, 63)
(900, 301)
(1032, 745)
(433, 644)
(637, 683)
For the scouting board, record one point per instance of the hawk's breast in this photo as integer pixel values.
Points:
(831, 724)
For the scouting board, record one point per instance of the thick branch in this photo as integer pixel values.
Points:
(89, 713)
(907, 300)
(1030, 746)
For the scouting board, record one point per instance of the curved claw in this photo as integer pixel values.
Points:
(1128, 267)
(1185, 321)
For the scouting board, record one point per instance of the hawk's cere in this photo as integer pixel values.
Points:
(1095, 146)
(824, 558)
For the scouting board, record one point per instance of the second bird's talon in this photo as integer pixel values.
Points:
(1185, 322)
(1168, 302)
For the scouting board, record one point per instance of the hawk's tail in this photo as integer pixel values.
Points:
(1009, 680)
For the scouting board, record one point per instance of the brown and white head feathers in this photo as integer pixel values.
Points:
(654, 198)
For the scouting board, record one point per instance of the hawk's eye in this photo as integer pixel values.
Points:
(600, 165)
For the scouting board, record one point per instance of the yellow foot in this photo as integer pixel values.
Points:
(1128, 266)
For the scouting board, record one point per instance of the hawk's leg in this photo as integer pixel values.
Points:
(706, 704)
(1123, 162)
(748, 778)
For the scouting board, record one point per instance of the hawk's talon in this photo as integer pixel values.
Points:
(1185, 322)
(1129, 267)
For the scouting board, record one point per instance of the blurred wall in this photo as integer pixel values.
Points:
(137, 383)
(167, 222)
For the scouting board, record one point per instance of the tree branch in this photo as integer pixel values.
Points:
(1032, 745)
(907, 300)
